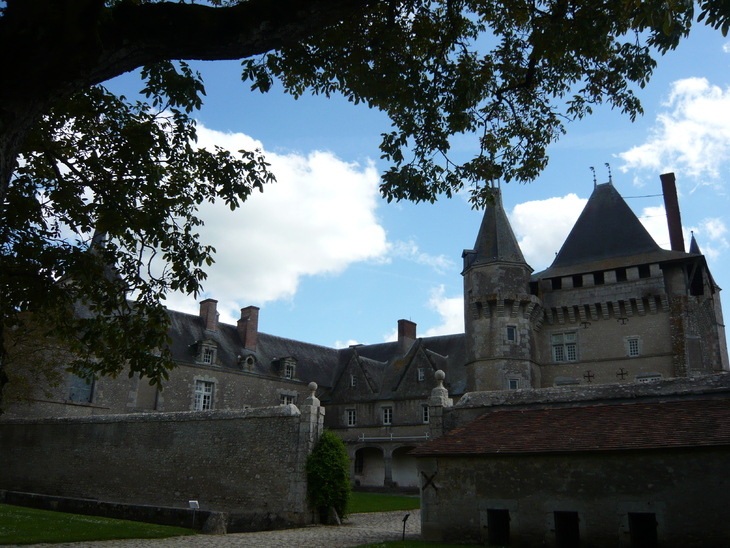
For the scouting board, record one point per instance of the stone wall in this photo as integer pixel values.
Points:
(683, 490)
(249, 463)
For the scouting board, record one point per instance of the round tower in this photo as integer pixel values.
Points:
(499, 311)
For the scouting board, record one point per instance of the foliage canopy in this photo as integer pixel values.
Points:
(75, 159)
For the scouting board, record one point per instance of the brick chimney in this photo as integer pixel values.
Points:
(671, 205)
(209, 314)
(248, 327)
(406, 335)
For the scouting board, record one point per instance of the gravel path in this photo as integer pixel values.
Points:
(356, 530)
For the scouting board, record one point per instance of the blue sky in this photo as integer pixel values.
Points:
(330, 262)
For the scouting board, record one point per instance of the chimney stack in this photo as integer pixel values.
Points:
(248, 327)
(406, 334)
(671, 205)
(209, 314)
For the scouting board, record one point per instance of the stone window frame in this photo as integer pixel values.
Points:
(353, 380)
(644, 378)
(513, 330)
(386, 415)
(421, 374)
(204, 391)
(425, 413)
(513, 383)
(634, 346)
(561, 349)
(351, 417)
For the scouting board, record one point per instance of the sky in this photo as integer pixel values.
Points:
(329, 262)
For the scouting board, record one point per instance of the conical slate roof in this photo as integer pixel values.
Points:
(606, 229)
(495, 241)
(607, 235)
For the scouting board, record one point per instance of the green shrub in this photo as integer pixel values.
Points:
(328, 475)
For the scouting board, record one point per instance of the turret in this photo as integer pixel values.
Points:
(499, 311)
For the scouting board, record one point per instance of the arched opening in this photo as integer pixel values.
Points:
(405, 471)
(369, 467)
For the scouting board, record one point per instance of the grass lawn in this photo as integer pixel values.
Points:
(19, 525)
(375, 502)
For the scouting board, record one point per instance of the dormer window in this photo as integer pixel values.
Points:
(287, 367)
(207, 352)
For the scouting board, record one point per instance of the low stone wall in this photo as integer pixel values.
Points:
(249, 463)
(206, 521)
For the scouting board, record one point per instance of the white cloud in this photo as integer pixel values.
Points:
(654, 219)
(451, 310)
(410, 251)
(349, 343)
(711, 237)
(542, 226)
(317, 219)
(692, 137)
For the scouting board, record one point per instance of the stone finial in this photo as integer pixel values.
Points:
(440, 376)
(440, 394)
(312, 399)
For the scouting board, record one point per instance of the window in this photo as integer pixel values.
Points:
(79, 390)
(287, 399)
(351, 417)
(207, 356)
(513, 384)
(648, 377)
(387, 415)
(424, 414)
(288, 371)
(353, 381)
(633, 346)
(511, 333)
(565, 347)
(203, 396)
(421, 374)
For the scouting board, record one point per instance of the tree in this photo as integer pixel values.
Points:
(75, 159)
(328, 476)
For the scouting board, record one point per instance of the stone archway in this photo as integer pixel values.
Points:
(369, 467)
(403, 468)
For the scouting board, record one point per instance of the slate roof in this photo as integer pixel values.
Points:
(606, 235)
(314, 363)
(604, 427)
(495, 240)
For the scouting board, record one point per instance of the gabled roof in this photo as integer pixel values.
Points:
(606, 233)
(495, 241)
(602, 427)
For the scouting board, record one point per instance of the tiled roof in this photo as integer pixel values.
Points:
(609, 427)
